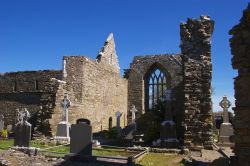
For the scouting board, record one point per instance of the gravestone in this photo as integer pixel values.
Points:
(22, 129)
(63, 128)
(1, 122)
(226, 129)
(118, 119)
(131, 128)
(168, 127)
(81, 137)
(133, 110)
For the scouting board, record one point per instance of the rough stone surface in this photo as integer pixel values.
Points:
(197, 68)
(33, 90)
(97, 91)
(140, 68)
(240, 49)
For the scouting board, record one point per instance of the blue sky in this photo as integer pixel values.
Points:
(36, 34)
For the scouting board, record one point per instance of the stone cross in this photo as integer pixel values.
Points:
(22, 129)
(65, 105)
(23, 116)
(1, 122)
(118, 116)
(133, 110)
(225, 104)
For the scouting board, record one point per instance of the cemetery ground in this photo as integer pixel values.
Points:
(51, 154)
(54, 156)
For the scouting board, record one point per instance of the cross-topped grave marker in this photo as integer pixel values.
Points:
(226, 129)
(63, 127)
(22, 129)
(133, 110)
(65, 105)
(225, 104)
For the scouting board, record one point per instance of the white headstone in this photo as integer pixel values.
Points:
(118, 116)
(1, 122)
(133, 110)
(65, 105)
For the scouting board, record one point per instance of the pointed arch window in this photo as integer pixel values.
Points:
(156, 86)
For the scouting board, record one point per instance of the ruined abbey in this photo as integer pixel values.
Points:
(97, 91)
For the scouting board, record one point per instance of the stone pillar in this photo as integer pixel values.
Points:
(197, 70)
(240, 49)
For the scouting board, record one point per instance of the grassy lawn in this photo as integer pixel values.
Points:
(161, 159)
(63, 150)
(6, 143)
(151, 159)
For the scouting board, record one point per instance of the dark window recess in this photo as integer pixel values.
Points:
(155, 88)
(110, 122)
(36, 85)
(15, 86)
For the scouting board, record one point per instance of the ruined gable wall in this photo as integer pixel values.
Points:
(240, 49)
(197, 69)
(27, 94)
(140, 67)
(97, 92)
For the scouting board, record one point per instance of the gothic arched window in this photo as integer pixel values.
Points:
(155, 88)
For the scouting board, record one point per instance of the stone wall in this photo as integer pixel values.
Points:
(137, 78)
(240, 49)
(197, 72)
(96, 91)
(28, 89)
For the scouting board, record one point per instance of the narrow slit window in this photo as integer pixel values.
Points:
(36, 85)
(15, 86)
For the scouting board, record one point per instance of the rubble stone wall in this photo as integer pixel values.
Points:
(240, 49)
(197, 72)
(32, 87)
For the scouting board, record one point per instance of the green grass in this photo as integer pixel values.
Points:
(63, 150)
(151, 159)
(161, 159)
(6, 143)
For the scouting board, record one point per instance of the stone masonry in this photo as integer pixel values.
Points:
(97, 91)
(240, 49)
(197, 68)
(137, 76)
(33, 90)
